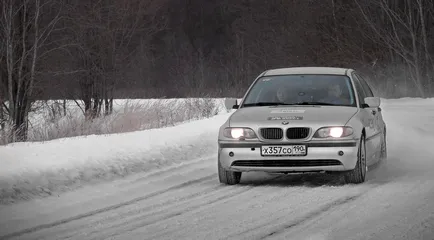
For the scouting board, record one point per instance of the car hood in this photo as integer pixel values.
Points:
(296, 116)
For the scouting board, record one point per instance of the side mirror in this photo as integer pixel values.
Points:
(236, 106)
(373, 102)
(230, 103)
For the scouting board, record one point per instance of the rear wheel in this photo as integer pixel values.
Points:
(228, 177)
(358, 174)
(384, 148)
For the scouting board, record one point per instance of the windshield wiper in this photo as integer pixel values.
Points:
(266, 104)
(314, 103)
(286, 104)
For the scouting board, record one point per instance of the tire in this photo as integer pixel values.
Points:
(358, 174)
(383, 156)
(228, 177)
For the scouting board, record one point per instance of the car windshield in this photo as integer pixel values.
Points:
(301, 90)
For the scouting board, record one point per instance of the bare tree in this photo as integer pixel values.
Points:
(109, 33)
(24, 29)
(400, 26)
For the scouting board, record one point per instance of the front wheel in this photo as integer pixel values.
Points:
(228, 177)
(358, 174)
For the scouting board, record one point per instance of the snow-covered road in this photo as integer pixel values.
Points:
(187, 202)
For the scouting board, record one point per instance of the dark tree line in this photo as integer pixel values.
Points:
(95, 51)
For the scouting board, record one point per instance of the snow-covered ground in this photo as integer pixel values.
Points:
(40, 168)
(183, 200)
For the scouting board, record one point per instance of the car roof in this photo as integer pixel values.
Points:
(307, 70)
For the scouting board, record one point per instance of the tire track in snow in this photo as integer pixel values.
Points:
(164, 216)
(77, 229)
(317, 213)
(258, 199)
(311, 215)
(278, 225)
(106, 209)
(169, 169)
(160, 234)
(172, 214)
(136, 215)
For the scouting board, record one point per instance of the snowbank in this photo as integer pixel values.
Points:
(41, 168)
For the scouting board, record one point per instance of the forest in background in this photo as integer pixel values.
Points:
(95, 51)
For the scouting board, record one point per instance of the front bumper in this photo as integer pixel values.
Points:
(321, 156)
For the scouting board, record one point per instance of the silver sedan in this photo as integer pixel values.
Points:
(307, 119)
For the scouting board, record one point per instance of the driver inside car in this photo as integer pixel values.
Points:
(285, 95)
(335, 95)
(288, 95)
(282, 94)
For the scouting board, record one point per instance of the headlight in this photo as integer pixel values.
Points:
(239, 133)
(333, 132)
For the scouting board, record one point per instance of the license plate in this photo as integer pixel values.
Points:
(292, 150)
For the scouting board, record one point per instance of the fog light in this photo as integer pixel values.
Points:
(231, 154)
(341, 153)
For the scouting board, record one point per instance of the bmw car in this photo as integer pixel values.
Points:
(300, 120)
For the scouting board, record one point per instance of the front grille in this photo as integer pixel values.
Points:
(287, 163)
(297, 133)
(272, 133)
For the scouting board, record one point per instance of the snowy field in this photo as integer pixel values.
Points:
(180, 198)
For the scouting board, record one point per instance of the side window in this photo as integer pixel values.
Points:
(365, 86)
(360, 92)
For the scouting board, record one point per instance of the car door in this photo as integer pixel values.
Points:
(368, 118)
(378, 118)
